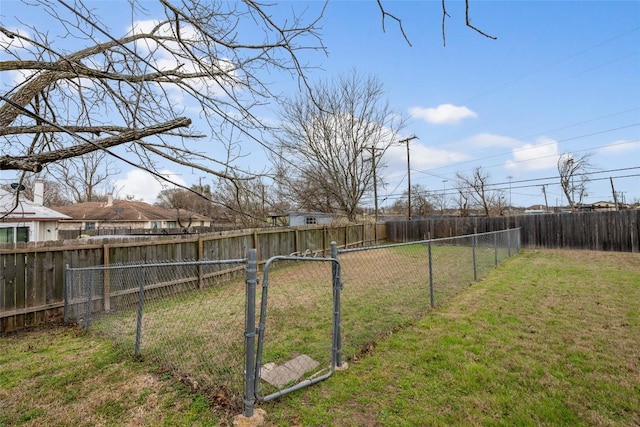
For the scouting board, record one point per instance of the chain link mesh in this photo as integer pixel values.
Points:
(189, 317)
(389, 286)
(296, 323)
(186, 317)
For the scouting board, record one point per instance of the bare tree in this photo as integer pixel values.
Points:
(248, 201)
(463, 201)
(477, 187)
(573, 171)
(127, 94)
(423, 202)
(327, 141)
(85, 178)
(178, 198)
(123, 91)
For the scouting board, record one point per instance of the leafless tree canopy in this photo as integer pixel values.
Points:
(86, 178)
(327, 141)
(476, 187)
(180, 199)
(423, 202)
(133, 89)
(573, 170)
(80, 87)
(247, 202)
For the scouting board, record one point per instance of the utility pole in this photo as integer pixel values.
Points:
(509, 178)
(444, 193)
(406, 140)
(613, 190)
(544, 191)
(375, 181)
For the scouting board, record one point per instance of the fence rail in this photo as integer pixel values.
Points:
(322, 311)
(32, 275)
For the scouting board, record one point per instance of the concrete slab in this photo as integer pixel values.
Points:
(256, 420)
(289, 371)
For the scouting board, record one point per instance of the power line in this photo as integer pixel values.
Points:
(535, 147)
(538, 182)
(553, 64)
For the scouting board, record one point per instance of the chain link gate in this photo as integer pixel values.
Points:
(297, 342)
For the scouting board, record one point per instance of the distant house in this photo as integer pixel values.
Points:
(601, 206)
(127, 214)
(296, 219)
(310, 218)
(25, 220)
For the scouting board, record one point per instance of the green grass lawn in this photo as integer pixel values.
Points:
(548, 338)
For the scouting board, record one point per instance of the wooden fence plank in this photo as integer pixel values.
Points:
(20, 288)
(8, 291)
(611, 231)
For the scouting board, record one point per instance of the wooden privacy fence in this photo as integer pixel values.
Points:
(32, 276)
(601, 231)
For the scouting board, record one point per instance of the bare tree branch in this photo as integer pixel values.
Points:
(385, 14)
(127, 86)
(476, 187)
(35, 162)
(468, 21)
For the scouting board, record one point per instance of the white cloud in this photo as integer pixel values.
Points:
(142, 185)
(15, 43)
(488, 140)
(543, 154)
(443, 114)
(170, 56)
(13, 78)
(620, 147)
(422, 157)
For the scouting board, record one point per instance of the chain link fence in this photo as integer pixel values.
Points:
(308, 314)
(298, 324)
(388, 287)
(186, 317)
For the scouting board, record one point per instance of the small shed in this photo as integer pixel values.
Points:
(310, 218)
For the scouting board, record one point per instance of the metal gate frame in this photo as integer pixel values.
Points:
(253, 361)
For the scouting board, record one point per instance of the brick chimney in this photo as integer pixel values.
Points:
(38, 192)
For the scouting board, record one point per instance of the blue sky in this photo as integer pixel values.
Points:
(562, 76)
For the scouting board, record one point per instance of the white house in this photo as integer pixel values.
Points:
(23, 220)
(310, 218)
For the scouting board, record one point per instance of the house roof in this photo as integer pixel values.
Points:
(126, 211)
(26, 210)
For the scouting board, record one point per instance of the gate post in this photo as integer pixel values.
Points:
(431, 295)
(143, 280)
(87, 322)
(250, 333)
(337, 321)
(473, 250)
(67, 280)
